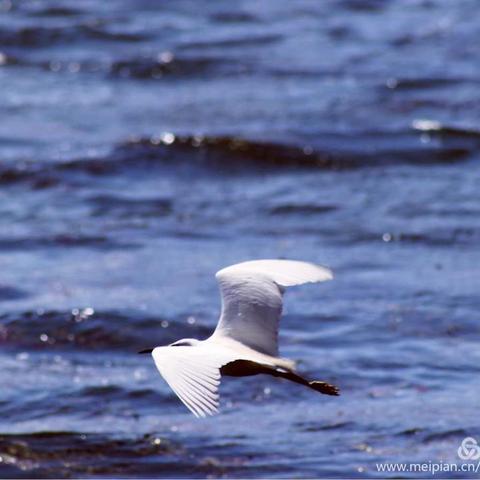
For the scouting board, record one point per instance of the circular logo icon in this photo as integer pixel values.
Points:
(469, 449)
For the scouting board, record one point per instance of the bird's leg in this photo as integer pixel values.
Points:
(318, 386)
(245, 368)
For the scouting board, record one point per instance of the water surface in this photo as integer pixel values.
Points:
(145, 145)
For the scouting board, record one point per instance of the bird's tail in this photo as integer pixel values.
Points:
(286, 363)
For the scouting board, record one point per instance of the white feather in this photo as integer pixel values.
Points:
(252, 299)
(285, 273)
(193, 373)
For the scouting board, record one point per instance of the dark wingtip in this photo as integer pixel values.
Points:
(147, 350)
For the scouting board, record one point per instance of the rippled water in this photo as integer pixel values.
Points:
(144, 145)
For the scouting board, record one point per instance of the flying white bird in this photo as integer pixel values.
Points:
(245, 341)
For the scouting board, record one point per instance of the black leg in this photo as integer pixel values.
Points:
(318, 386)
(245, 368)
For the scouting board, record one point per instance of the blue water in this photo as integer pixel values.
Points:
(145, 145)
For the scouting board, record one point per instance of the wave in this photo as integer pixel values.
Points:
(301, 209)
(66, 454)
(422, 83)
(319, 427)
(11, 293)
(437, 128)
(244, 41)
(87, 329)
(55, 11)
(125, 207)
(365, 6)
(232, 155)
(100, 242)
(168, 66)
(234, 17)
(42, 36)
(61, 454)
(226, 153)
(448, 236)
(229, 153)
(441, 236)
(163, 66)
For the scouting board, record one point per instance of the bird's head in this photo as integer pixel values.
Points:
(185, 342)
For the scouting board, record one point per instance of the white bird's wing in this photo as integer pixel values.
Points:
(252, 299)
(193, 373)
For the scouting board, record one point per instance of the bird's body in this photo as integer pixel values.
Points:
(245, 341)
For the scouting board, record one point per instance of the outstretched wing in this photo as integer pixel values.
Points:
(252, 299)
(193, 373)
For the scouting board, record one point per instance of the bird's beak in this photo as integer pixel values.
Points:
(147, 350)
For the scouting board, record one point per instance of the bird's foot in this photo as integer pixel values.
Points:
(324, 387)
